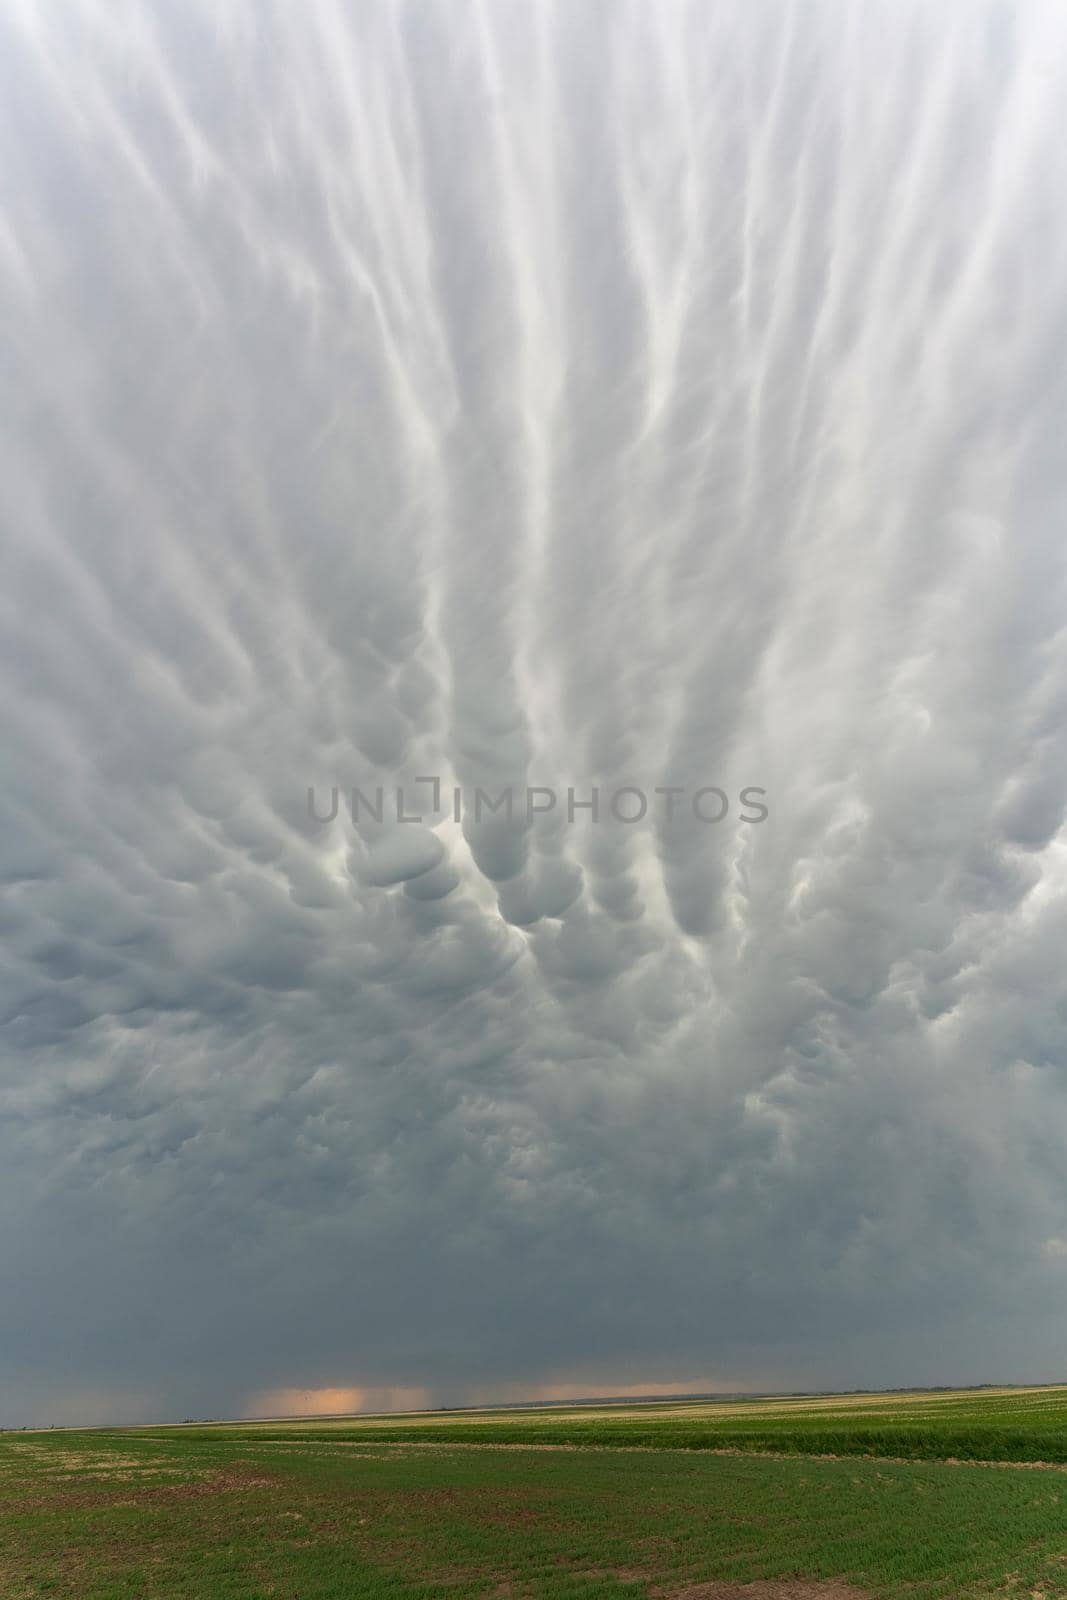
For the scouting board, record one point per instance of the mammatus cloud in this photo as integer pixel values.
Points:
(533, 396)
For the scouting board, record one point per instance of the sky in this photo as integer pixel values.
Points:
(657, 399)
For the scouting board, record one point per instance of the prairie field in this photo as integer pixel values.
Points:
(802, 1498)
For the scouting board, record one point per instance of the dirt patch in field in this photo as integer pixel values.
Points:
(791, 1589)
(230, 1480)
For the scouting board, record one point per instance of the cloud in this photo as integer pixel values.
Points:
(560, 398)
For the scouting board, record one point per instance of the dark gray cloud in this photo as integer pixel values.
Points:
(530, 397)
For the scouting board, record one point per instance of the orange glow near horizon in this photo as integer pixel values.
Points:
(351, 1400)
(334, 1402)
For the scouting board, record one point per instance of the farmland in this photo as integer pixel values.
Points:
(810, 1498)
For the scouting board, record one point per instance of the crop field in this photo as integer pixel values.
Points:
(828, 1498)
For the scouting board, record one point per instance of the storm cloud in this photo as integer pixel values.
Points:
(549, 396)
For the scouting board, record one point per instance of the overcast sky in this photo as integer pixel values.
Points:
(596, 394)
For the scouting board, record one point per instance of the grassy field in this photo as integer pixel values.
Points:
(405, 1506)
(968, 1425)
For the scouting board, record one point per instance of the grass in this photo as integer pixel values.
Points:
(395, 1508)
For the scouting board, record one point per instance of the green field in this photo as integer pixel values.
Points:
(657, 1500)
